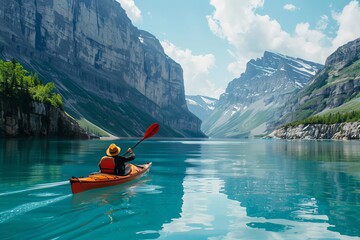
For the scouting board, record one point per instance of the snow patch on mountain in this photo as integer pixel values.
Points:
(254, 99)
(192, 102)
(209, 101)
(201, 106)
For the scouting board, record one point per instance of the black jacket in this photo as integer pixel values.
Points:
(120, 163)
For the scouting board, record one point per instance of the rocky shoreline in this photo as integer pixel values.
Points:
(339, 131)
(38, 120)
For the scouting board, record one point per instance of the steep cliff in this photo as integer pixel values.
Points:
(37, 119)
(335, 88)
(252, 101)
(107, 71)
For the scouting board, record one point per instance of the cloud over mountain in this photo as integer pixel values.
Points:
(348, 19)
(131, 9)
(196, 69)
(251, 33)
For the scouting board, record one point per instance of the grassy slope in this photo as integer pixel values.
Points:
(347, 73)
(352, 105)
(92, 128)
(316, 105)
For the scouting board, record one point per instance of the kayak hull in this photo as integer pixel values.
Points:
(100, 180)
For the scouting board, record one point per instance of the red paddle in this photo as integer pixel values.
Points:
(151, 131)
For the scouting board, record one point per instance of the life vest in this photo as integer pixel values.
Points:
(107, 165)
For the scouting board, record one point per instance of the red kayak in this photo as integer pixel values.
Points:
(100, 180)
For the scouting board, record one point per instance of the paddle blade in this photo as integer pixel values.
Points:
(151, 131)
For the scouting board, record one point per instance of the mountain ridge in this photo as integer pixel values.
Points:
(252, 101)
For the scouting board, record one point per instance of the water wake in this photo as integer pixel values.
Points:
(27, 207)
(36, 187)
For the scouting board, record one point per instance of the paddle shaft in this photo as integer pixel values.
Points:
(137, 143)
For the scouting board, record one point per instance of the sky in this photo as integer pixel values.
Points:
(214, 39)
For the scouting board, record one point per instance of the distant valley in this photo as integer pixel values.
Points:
(201, 106)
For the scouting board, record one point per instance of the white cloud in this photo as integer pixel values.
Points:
(322, 23)
(289, 7)
(196, 70)
(349, 27)
(131, 9)
(251, 33)
(238, 67)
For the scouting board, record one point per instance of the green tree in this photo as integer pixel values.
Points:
(18, 84)
(5, 74)
(41, 93)
(56, 100)
(330, 118)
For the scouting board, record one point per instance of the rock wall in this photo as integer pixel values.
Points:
(91, 46)
(343, 131)
(37, 119)
(344, 54)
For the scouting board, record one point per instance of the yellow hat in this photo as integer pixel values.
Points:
(113, 150)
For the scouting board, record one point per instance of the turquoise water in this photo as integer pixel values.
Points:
(196, 189)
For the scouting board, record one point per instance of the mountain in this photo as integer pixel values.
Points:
(337, 85)
(108, 72)
(201, 106)
(334, 90)
(252, 102)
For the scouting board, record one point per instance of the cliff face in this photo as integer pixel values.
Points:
(108, 71)
(344, 55)
(37, 119)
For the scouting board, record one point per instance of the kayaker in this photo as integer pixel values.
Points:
(113, 163)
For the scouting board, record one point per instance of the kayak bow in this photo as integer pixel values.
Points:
(100, 180)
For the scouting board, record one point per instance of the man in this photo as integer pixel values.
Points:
(113, 163)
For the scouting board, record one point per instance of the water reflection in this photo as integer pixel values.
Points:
(329, 151)
(136, 210)
(290, 190)
(30, 161)
(295, 181)
(195, 189)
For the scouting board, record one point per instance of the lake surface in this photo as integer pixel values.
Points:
(196, 189)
